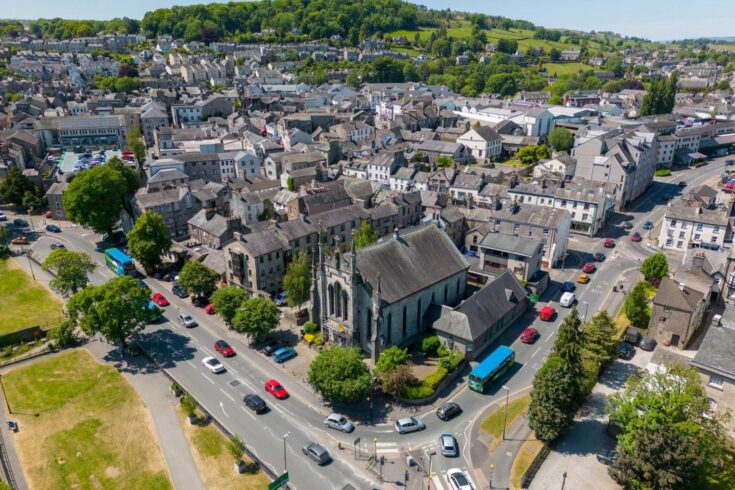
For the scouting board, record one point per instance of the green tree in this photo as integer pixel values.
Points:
(71, 270)
(297, 280)
(136, 144)
(391, 358)
(364, 235)
(670, 438)
(116, 309)
(655, 267)
(148, 239)
(636, 306)
(340, 375)
(551, 412)
(32, 202)
(290, 184)
(227, 300)
(131, 177)
(501, 83)
(197, 279)
(15, 185)
(561, 139)
(394, 381)
(599, 338)
(256, 317)
(94, 198)
(532, 153)
(568, 345)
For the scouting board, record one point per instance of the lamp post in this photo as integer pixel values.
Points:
(584, 317)
(564, 480)
(285, 465)
(505, 417)
(431, 462)
(375, 448)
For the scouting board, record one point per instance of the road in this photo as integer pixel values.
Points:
(180, 352)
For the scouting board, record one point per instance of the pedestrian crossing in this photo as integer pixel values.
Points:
(386, 448)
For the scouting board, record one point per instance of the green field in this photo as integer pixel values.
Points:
(82, 426)
(722, 47)
(25, 303)
(493, 424)
(566, 68)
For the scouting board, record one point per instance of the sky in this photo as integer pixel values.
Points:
(652, 19)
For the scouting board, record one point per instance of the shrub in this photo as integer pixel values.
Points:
(311, 327)
(428, 385)
(430, 345)
(309, 338)
(442, 351)
(664, 172)
(391, 358)
(188, 405)
(318, 339)
(63, 335)
(451, 360)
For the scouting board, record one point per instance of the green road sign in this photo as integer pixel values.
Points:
(279, 482)
(533, 298)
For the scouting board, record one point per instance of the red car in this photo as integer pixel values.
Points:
(530, 335)
(609, 243)
(48, 214)
(159, 299)
(636, 237)
(210, 309)
(589, 268)
(547, 313)
(224, 348)
(274, 388)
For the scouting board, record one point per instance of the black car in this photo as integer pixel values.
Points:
(255, 403)
(53, 228)
(628, 225)
(170, 276)
(272, 346)
(448, 410)
(648, 225)
(178, 291)
(625, 351)
(632, 336)
(598, 256)
(682, 183)
(20, 223)
(607, 457)
(647, 343)
(200, 301)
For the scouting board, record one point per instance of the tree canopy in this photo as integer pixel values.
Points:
(136, 144)
(297, 280)
(339, 374)
(551, 412)
(365, 235)
(568, 345)
(391, 358)
(561, 139)
(15, 185)
(197, 279)
(71, 270)
(227, 300)
(655, 267)
(599, 338)
(661, 97)
(256, 317)
(636, 306)
(148, 239)
(94, 198)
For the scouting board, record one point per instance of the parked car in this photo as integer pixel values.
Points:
(339, 422)
(567, 300)
(21, 240)
(609, 243)
(625, 351)
(48, 215)
(170, 276)
(459, 480)
(179, 291)
(529, 335)
(284, 354)
(448, 410)
(200, 301)
(213, 365)
(3, 217)
(224, 348)
(729, 162)
(598, 256)
(682, 183)
(159, 299)
(547, 313)
(53, 229)
(628, 225)
(408, 424)
(274, 388)
(280, 299)
(589, 268)
(636, 237)
(210, 309)
(255, 403)
(568, 287)
(583, 278)
(272, 346)
(20, 223)
(56, 245)
(186, 320)
(448, 445)
(607, 457)
(647, 343)
(632, 336)
(648, 225)
(317, 453)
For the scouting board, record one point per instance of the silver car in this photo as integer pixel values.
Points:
(409, 424)
(186, 320)
(339, 422)
(448, 445)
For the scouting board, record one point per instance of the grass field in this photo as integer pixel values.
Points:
(723, 47)
(493, 424)
(82, 426)
(214, 462)
(566, 68)
(408, 51)
(24, 302)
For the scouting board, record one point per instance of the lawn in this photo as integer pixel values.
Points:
(25, 303)
(82, 426)
(214, 463)
(493, 424)
(566, 68)
(408, 51)
(528, 452)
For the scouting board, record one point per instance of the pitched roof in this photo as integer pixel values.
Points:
(715, 352)
(513, 244)
(669, 294)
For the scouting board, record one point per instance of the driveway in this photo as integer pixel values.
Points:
(575, 454)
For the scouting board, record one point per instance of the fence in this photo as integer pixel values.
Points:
(534, 467)
(7, 469)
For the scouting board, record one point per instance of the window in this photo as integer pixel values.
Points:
(679, 244)
(673, 222)
(700, 226)
(682, 234)
(696, 236)
(716, 381)
(716, 229)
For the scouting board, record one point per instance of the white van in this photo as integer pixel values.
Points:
(567, 300)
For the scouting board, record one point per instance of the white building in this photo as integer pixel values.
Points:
(483, 142)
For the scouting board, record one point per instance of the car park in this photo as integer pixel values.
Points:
(529, 335)
(607, 457)
(213, 365)
(547, 313)
(317, 453)
(589, 268)
(636, 237)
(339, 422)
(408, 424)
(448, 445)
(458, 480)
(274, 388)
(583, 278)
(632, 336)
(186, 320)
(20, 223)
(179, 291)
(56, 245)
(567, 300)
(224, 348)
(272, 346)
(53, 229)
(598, 256)
(647, 343)
(609, 243)
(448, 410)
(568, 287)
(284, 354)
(159, 299)
(255, 403)
(625, 351)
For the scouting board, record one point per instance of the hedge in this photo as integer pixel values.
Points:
(427, 386)
(664, 172)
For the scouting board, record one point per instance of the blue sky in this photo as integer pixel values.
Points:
(653, 19)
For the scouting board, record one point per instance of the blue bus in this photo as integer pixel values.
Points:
(118, 262)
(492, 368)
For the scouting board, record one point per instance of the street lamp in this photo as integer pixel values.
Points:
(285, 465)
(564, 481)
(375, 448)
(431, 462)
(584, 317)
(505, 418)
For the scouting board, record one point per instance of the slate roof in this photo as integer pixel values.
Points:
(338, 216)
(216, 225)
(670, 295)
(293, 229)
(512, 244)
(166, 175)
(716, 351)
(257, 244)
(415, 261)
(696, 214)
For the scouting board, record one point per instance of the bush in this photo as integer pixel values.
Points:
(318, 339)
(428, 385)
(63, 335)
(664, 172)
(311, 327)
(188, 405)
(442, 351)
(391, 358)
(451, 360)
(429, 345)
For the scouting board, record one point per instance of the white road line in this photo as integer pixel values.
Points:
(207, 378)
(535, 352)
(227, 394)
(191, 364)
(247, 412)
(437, 482)
(222, 406)
(209, 352)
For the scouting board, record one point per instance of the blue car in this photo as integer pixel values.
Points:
(568, 287)
(284, 354)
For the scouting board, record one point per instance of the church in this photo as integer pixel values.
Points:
(384, 294)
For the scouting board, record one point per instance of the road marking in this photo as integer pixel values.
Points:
(437, 481)
(227, 394)
(222, 406)
(230, 368)
(207, 378)
(247, 412)
(191, 364)
(386, 447)
(208, 351)
(536, 352)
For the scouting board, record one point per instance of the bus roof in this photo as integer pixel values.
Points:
(118, 255)
(491, 362)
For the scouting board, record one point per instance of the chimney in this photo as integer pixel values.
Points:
(682, 286)
(697, 262)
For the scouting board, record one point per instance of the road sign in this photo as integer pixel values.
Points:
(356, 442)
(279, 482)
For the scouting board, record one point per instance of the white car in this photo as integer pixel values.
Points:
(339, 422)
(409, 424)
(213, 365)
(567, 300)
(458, 480)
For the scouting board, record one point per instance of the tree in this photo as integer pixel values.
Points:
(444, 161)
(661, 97)
(636, 306)
(197, 279)
(670, 438)
(148, 239)
(116, 309)
(394, 381)
(391, 358)
(655, 267)
(94, 198)
(297, 281)
(532, 153)
(256, 317)
(132, 178)
(227, 300)
(290, 184)
(568, 345)
(136, 144)
(14, 186)
(551, 412)
(599, 338)
(364, 235)
(501, 83)
(561, 139)
(340, 375)
(32, 202)
(71, 270)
